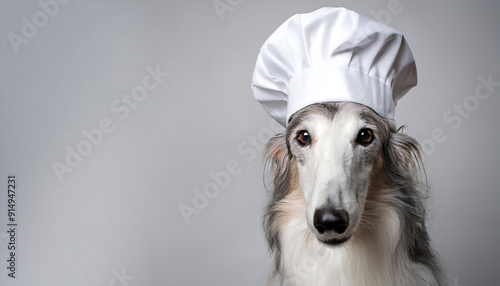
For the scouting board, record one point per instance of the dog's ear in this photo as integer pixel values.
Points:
(402, 156)
(278, 167)
(276, 154)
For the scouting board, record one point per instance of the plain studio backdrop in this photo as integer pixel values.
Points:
(137, 144)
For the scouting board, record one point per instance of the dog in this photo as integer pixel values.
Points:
(347, 202)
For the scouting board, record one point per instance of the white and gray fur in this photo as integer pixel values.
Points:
(387, 241)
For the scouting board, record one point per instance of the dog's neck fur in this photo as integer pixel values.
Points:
(373, 256)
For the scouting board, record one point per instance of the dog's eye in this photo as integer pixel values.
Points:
(304, 138)
(365, 136)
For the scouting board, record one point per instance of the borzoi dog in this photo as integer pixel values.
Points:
(347, 205)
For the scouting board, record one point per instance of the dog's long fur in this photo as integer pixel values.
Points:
(390, 245)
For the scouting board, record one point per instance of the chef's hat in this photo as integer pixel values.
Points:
(333, 54)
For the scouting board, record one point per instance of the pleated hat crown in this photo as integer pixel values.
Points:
(333, 54)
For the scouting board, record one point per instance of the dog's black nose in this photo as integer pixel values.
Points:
(328, 219)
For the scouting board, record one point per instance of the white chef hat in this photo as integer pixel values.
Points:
(333, 54)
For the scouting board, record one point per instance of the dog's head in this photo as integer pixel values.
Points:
(336, 150)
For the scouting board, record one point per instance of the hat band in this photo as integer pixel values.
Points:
(328, 83)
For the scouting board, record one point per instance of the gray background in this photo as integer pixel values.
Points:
(118, 210)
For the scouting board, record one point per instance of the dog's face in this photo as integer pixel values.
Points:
(335, 147)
